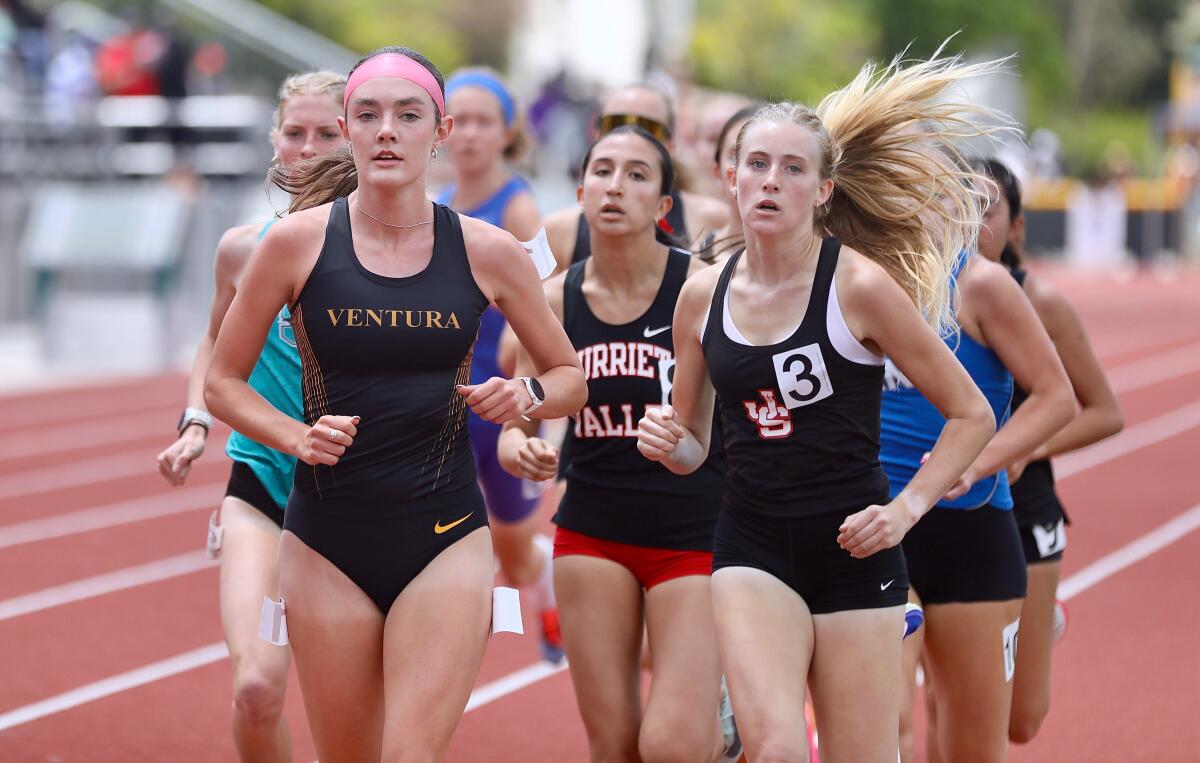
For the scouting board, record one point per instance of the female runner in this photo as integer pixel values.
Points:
(251, 514)
(809, 583)
(691, 214)
(634, 542)
(385, 561)
(1036, 507)
(718, 245)
(487, 135)
(965, 561)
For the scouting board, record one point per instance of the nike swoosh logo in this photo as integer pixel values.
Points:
(646, 332)
(439, 528)
(883, 586)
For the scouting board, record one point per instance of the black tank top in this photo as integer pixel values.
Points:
(613, 492)
(801, 422)
(1033, 494)
(675, 221)
(390, 350)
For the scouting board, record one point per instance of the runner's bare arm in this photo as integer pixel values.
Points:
(509, 279)
(277, 270)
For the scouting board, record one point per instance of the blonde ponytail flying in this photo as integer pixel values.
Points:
(904, 196)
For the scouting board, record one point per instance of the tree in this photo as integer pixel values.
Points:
(781, 49)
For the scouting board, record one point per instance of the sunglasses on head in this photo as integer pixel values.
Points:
(610, 122)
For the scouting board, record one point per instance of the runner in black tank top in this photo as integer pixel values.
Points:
(1039, 512)
(808, 577)
(385, 562)
(1037, 509)
(801, 424)
(633, 549)
(353, 328)
(612, 492)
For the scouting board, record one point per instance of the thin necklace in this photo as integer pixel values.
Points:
(384, 222)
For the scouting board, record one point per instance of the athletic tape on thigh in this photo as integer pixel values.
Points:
(506, 611)
(216, 536)
(272, 626)
(1009, 636)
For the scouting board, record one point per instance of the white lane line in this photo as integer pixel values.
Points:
(109, 582)
(1136, 437)
(1155, 369)
(178, 501)
(130, 399)
(206, 655)
(1150, 543)
(1089, 576)
(180, 663)
(92, 471)
(112, 430)
(513, 682)
(87, 472)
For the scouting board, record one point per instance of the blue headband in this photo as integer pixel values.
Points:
(488, 83)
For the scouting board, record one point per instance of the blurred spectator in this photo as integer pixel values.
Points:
(28, 43)
(1046, 154)
(127, 64)
(1096, 219)
(70, 82)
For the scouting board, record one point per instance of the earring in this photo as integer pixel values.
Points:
(435, 152)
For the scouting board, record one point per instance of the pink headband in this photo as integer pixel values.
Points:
(402, 67)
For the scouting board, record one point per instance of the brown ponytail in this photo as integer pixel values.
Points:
(316, 181)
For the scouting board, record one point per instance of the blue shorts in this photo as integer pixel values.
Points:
(509, 499)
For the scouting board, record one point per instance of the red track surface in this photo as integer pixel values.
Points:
(1125, 678)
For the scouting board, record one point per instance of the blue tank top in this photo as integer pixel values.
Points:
(911, 425)
(485, 364)
(276, 376)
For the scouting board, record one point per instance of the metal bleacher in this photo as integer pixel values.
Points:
(110, 210)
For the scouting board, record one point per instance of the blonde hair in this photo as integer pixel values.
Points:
(308, 83)
(904, 195)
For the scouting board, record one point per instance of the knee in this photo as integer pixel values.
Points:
(258, 700)
(1023, 727)
(779, 751)
(611, 748)
(675, 743)
(518, 559)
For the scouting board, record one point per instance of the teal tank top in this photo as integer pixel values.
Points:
(276, 376)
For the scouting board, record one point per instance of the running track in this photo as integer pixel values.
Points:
(110, 647)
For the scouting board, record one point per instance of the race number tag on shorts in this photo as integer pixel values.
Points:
(216, 533)
(802, 377)
(272, 626)
(1010, 648)
(506, 611)
(1050, 539)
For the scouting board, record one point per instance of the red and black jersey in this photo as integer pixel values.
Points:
(613, 492)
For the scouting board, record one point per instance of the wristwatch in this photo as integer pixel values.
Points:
(537, 395)
(194, 416)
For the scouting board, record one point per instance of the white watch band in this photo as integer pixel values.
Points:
(535, 402)
(195, 416)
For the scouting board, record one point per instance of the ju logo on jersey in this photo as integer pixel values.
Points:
(774, 421)
(635, 360)
(803, 380)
